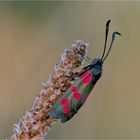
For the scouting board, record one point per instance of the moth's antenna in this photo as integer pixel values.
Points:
(106, 35)
(113, 38)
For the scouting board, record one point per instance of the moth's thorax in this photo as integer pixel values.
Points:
(97, 67)
(97, 62)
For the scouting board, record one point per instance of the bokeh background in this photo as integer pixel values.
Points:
(32, 37)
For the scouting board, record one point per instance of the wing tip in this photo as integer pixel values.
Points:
(53, 115)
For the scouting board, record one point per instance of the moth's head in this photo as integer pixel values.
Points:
(97, 62)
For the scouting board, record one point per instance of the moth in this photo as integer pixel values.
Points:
(68, 105)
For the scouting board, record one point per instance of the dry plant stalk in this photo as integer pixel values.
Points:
(36, 122)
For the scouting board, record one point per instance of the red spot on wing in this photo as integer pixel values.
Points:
(64, 101)
(77, 96)
(65, 109)
(86, 77)
(73, 88)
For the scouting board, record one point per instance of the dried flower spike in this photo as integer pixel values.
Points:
(36, 122)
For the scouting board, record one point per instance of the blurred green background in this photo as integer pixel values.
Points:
(32, 37)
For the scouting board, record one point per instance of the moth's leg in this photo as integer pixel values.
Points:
(84, 69)
(87, 59)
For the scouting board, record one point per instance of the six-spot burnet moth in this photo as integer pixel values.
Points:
(68, 105)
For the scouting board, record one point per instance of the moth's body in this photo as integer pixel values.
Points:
(77, 94)
(68, 105)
